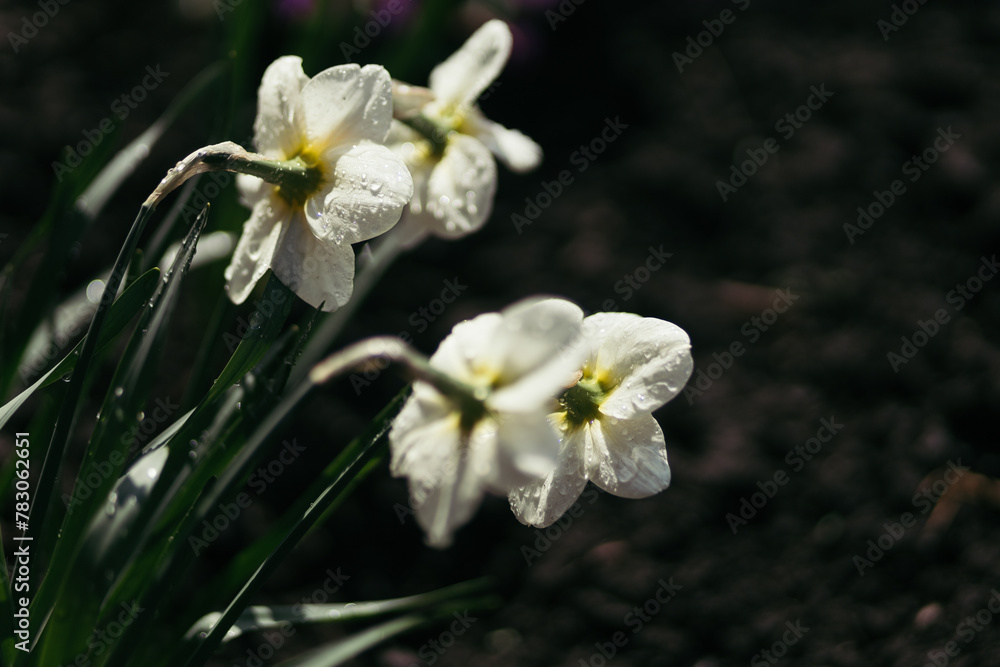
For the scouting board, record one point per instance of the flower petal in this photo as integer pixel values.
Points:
(535, 351)
(444, 477)
(365, 196)
(460, 188)
(460, 353)
(646, 360)
(542, 502)
(627, 458)
(527, 449)
(345, 104)
(318, 271)
(423, 436)
(256, 247)
(460, 79)
(407, 100)
(276, 130)
(516, 150)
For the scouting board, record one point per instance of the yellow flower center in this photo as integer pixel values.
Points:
(309, 171)
(581, 403)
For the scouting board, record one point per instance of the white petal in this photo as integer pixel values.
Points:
(516, 150)
(627, 458)
(460, 79)
(441, 509)
(445, 478)
(407, 100)
(461, 187)
(276, 130)
(256, 247)
(542, 502)
(424, 436)
(648, 361)
(345, 104)
(252, 189)
(527, 447)
(365, 196)
(462, 354)
(317, 271)
(536, 351)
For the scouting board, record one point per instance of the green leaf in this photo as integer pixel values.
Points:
(122, 312)
(73, 208)
(254, 619)
(79, 570)
(265, 325)
(341, 651)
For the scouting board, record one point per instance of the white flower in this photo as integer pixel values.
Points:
(334, 124)
(634, 366)
(449, 144)
(515, 362)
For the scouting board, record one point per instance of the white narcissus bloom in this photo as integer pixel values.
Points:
(448, 143)
(515, 363)
(609, 436)
(334, 125)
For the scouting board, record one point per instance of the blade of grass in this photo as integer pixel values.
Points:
(65, 633)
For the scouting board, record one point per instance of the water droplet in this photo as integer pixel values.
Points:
(119, 391)
(375, 187)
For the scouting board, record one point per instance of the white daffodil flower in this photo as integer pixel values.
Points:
(514, 363)
(333, 126)
(634, 365)
(448, 143)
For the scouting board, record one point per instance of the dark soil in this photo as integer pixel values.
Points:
(848, 545)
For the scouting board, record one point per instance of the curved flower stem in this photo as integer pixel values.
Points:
(396, 351)
(293, 174)
(384, 253)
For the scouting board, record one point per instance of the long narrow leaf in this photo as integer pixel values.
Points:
(122, 312)
(69, 625)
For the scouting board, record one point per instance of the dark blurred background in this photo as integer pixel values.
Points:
(868, 543)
